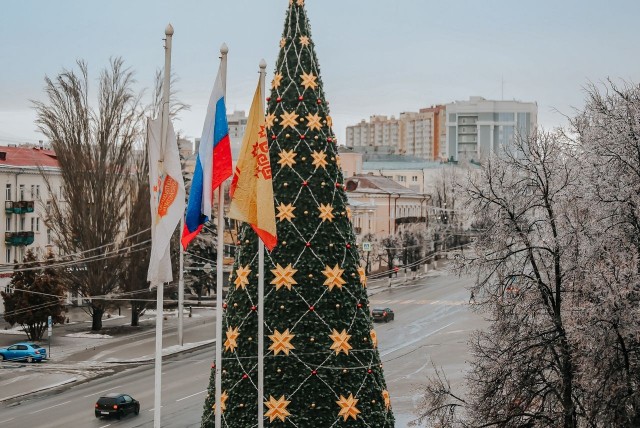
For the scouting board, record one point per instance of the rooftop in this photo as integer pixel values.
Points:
(27, 157)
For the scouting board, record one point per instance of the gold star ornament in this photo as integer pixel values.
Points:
(232, 339)
(334, 277)
(281, 342)
(223, 402)
(285, 212)
(284, 276)
(374, 338)
(287, 158)
(283, 42)
(348, 407)
(313, 121)
(326, 212)
(269, 119)
(277, 80)
(309, 80)
(387, 399)
(300, 2)
(363, 277)
(319, 159)
(277, 409)
(242, 279)
(340, 341)
(289, 120)
(304, 40)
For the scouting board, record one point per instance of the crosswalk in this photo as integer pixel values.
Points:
(418, 302)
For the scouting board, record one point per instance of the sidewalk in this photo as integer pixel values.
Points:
(77, 355)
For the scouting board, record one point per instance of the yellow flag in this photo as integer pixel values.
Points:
(252, 187)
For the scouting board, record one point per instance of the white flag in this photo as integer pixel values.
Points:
(167, 198)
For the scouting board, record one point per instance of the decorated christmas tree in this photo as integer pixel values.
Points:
(321, 365)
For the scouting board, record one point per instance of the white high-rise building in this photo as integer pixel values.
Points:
(478, 127)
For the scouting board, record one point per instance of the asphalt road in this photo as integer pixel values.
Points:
(432, 323)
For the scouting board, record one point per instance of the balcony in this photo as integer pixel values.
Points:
(18, 238)
(410, 220)
(19, 207)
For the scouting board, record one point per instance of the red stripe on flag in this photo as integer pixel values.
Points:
(221, 162)
(269, 240)
(187, 236)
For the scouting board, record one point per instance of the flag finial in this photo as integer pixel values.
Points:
(224, 49)
(169, 30)
(263, 64)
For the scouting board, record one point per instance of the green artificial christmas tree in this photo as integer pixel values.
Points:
(321, 366)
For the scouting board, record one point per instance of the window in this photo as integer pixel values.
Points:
(48, 236)
(414, 179)
(7, 195)
(22, 224)
(33, 224)
(37, 224)
(33, 191)
(8, 255)
(37, 191)
(401, 178)
(21, 192)
(8, 225)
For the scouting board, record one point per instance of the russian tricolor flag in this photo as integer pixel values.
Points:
(213, 164)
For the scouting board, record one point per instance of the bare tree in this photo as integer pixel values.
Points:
(93, 147)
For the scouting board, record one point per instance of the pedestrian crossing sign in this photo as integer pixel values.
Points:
(366, 246)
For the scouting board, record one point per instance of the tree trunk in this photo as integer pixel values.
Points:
(96, 318)
(135, 316)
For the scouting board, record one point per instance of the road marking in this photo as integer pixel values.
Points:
(105, 426)
(106, 390)
(152, 409)
(47, 408)
(411, 342)
(192, 395)
(6, 420)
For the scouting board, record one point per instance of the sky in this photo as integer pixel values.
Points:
(376, 56)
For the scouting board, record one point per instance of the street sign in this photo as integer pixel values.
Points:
(366, 246)
(49, 331)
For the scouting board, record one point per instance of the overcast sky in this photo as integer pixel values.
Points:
(377, 56)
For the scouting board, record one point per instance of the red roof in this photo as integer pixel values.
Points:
(28, 156)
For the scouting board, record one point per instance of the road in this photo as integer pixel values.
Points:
(432, 322)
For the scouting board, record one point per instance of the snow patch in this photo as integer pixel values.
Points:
(88, 335)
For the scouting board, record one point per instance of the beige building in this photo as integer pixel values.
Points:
(412, 134)
(25, 203)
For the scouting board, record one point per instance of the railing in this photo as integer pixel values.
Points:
(19, 207)
(19, 238)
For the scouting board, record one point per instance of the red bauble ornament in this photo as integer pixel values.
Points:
(302, 137)
(348, 246)
(330, 139)
(319, 101)
(311, 308)
(273, 137)
(359, 305)
(300, 98)
(244, 376)
(279, 99)
(308, 244)
(268, 99)
(338, 185)
(314, 372)
(369, 371)
(254, 308)
(304, 183)
(224, 306)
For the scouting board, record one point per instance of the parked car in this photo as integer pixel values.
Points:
(23, 351)
(385, 314)
(117, 405)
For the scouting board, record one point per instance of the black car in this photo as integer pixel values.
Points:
(385, 314)
(117, 405)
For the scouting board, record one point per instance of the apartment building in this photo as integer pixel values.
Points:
(25, 201)
(479, 127)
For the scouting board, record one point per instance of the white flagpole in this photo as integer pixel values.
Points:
(224, 50)
(181, 290)
(160, 286)
(263, 67)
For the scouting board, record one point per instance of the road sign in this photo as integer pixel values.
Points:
(49, 326)
(366, 246)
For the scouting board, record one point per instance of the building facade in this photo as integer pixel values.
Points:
(26, 196)
(417, 134)
(478, 127)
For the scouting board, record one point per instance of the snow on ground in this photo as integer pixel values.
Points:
(18, 331)
(88, 335)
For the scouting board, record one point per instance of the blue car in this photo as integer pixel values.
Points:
(23, 351)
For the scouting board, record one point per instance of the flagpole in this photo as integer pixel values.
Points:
(224, 50)
(263, 67)
(181, 290)
(160, 285)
